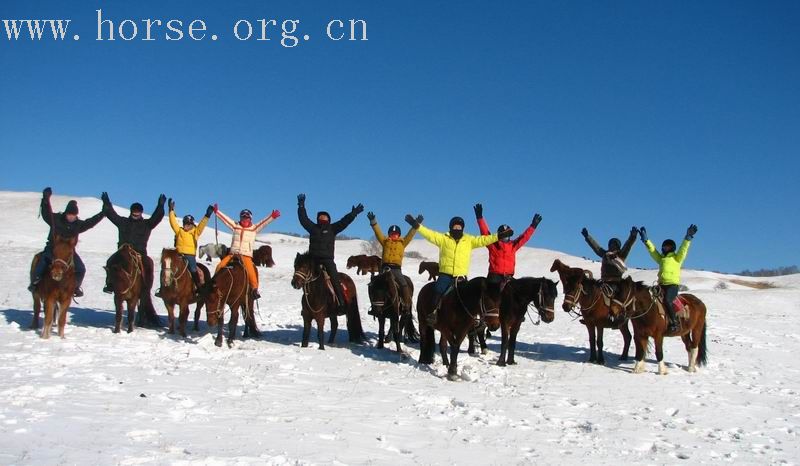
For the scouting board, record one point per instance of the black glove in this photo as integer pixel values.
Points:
(536, 219)
(691, 231)
(420, 218)
(371, 217)
(505, 233)
(634, 230)
(478, 211)
(585, 232)
(162, 199)
(412, 221)
(301, 200)
(105, 198)
(209, 211)
(643, 234)
(47, 192)
(357, 209)
(171, 204)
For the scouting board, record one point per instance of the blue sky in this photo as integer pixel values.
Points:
(598, 114)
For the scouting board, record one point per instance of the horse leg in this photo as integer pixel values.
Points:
(641, 352)
(321, 329)
(592, 343)
(171, 314)
(504, 331)
(334, 328)
(220, 327)
(232, 325)
(306, 330)
(49, 310)
(132, 303)
(512, 342)
(690, 351)
(118, 315)
(63, 306)
(394, 321)
(662, 366)
(184, 317)
(381, 334)
(482, 340)
(197, 315)
(471, 339)
(601, 360)
(37, 309)
(452, 368)
(443, 348)
(626, 341)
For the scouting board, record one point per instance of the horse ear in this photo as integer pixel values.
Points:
(588, 274)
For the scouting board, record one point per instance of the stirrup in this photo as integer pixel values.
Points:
(255, 294)
(108, 289)
(32, 286)
(157, 294)
(78, 292)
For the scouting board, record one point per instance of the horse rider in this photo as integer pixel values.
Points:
(455, 251)
(322, 238)
(669, 268)
(244, 237)
(393, 250)
(503, 254)
(612, 265)
(186, 236)
(64, 225)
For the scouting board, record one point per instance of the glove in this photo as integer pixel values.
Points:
(634, 230)
(419, 219)
(371, 217)
(585, 232)
(47, 192)
(643, 234)
(209, 211)
(161, 199)
(691, 231)
(216, 208)
(536, 219)
(357, 209)
(275, 214)
(105, 198)
(301, 200)
(478, 211)
(412, 221)
(505, 233)
(171, 204)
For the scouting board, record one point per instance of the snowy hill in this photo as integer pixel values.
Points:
(152, 398)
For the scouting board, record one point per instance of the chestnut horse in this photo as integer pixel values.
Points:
(126, 278)
(263, 256)
(230, 287)
(177, 288)
(364, 264)
(56, 287)
(464, 308)
(643, 306)
(431, 267)
(517, 295)
(593, 298)
(319, 302)
(385, 298)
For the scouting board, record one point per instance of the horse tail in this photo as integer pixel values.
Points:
(702, 350)
(354, 328)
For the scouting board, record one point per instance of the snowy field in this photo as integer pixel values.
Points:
(151, 398)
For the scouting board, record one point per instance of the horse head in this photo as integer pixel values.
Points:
(170, 263)
(63, 252)
(215, 308)
(303, 270)
(383, 291)
(572, 281)
(624, 296)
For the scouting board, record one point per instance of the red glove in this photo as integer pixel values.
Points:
(276, 213)
(216, 207)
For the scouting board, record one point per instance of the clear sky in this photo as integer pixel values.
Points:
(602, 114)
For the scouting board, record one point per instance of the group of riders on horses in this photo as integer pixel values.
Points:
(455, 247)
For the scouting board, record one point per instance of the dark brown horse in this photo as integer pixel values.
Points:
(431, 267)
(56, 287)
(177, 288)
(263, 256)
(364, 264)
(517, 295)
(385, 296)
(462, 309)
(319, 302)
(126, 278)
(644, 307)
(230, 287)
(593, 298)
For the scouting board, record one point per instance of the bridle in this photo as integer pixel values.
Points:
(393, 300)
(484, 312)
(307, 278)
(169, 277)
(136, 269)
(219, 309)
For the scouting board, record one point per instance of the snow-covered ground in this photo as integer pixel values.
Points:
(148, 397)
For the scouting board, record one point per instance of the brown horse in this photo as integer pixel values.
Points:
(230, 287)
(56, 287)
(462, 309)
(319, 302)
(385, 296)
(431, 267)
(177, 288)
(517, 295)
(364, 264)
(263, 256)
(593, 298)
(126, 278)
(643, 306)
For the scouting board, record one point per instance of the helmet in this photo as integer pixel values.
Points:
(136, 207)
(668, 243)
(456, 221)
(614, 244)
(394, 229)
(188, 220)
(245, 213)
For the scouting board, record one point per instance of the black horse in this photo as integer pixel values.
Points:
(386, 299)
(518, 294)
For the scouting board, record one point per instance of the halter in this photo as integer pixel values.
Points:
(539, 307)
(219, 311)
(308, 278)
(393, 301)
(477, 319)
(575, 300)
(173, 277)
(136, 267)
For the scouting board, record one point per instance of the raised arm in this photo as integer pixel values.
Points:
(45, 209)
(626, 248)
(433, 237)
(158, 214)
(528, 233)
(92, 221)
(263, 223)
(409, 236)
(482, 225)
(683, 251)
(225, 219)
(306, 222)
(373, 222)
(108, 209)
(592, 243)
(653, 253)
(345, 221)
(483, 240)
(173, 221)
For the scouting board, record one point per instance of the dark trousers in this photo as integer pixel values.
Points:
(670, 293)
(330, 266)
(47, 258)
(498, 279)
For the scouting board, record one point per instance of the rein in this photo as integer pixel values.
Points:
(136, 269)
(174, 277)
(307, 279)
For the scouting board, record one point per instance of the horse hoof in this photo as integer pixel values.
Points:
(218, 343)
(600, 362)
(183, 334)
(130, 330)
(623, 358)
(484, 351)
(638, 368)
(304, 345)
(501, 363)
(116, 330)
(662, 369)
(379, 345)
(321, 348)
(453, 377)
(230, 343)
(171, 332)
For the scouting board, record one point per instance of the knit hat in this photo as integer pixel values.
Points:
(136, 207)
(72, 207)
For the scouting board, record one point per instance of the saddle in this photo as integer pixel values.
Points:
(332, 291)
(680, 304)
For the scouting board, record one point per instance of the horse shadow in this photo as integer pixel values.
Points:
(287, 335)
(553, 352)
(76, 316)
